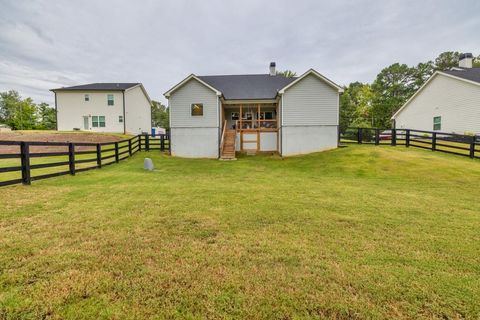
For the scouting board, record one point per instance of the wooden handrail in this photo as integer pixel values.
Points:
(222, 141)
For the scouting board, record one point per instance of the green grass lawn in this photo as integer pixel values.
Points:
(357, 232)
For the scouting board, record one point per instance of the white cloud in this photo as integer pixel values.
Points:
(45, 44)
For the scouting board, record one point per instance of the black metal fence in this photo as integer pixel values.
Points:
(463, 145)
(74, 157)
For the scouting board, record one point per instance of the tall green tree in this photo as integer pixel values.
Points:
(447, 60)
(476, 61)
(46, 117)
(24, 115)
(9, 101)
(422, 72)
(392, 87)
(160, 115)
(356, 106)
(286, 73)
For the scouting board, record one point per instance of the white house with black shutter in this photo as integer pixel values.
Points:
(103, 107)
(217, 116)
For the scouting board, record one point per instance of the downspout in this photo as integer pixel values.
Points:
(56, 112)
(124, 119)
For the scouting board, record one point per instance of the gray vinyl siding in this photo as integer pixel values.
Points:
(456, 101)
(310, 102)
(180, 106)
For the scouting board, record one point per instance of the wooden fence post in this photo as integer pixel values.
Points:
(139, 142)
(162, 142)
(377, 137)
(359, 135)
(472, 147)
(130, 147)
(434, 141)
(71, 158)
(99, 155)
(25, 160)
(407, 138)
(147, 143)
(116, 152)
(394, 137)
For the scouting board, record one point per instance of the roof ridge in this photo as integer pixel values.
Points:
(247, 74)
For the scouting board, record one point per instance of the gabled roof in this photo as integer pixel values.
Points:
(470, 75)
(100, 86)
(190, 77)
(316, 74)
(248, 86)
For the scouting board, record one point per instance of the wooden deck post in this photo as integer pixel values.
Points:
(258, 127)
(240, 127)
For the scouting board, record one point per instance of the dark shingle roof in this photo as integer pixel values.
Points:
(472, 74)
(100, 86)
(249, 86)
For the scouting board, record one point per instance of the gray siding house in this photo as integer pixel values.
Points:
(448, 102)
(217, 116)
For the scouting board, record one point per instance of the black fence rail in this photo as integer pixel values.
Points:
(36, 160)
(457, 144)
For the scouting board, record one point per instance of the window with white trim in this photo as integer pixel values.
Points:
(437, 123)
(87, 97)
(98, 121)
(120, 118)
(110, 100)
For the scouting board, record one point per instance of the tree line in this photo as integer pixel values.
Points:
(361, 105)
(372, 105)
(24, 114)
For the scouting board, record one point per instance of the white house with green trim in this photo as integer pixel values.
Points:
(448, 102)
(103, 107)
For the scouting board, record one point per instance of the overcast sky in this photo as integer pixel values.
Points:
(49, 44)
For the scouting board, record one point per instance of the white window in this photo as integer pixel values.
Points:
(87, 97)
(98, 121)
(110, 101)
(437, 123)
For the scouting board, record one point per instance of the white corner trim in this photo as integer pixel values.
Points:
(192, 76)
(281, 112)
(315, 73)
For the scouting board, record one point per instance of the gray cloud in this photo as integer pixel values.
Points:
(47, 44)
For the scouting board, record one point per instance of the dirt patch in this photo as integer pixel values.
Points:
(54, 137)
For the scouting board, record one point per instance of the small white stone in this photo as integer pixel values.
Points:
(148, 164)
